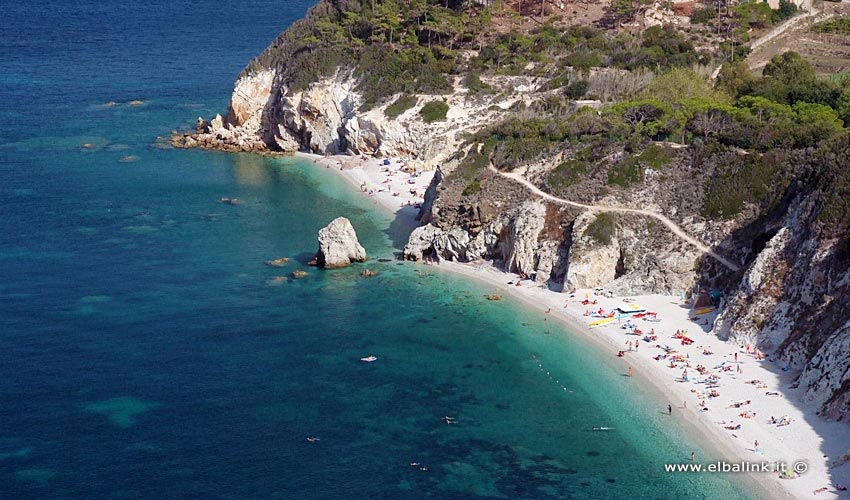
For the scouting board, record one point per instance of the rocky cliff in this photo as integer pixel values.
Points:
(265, 116)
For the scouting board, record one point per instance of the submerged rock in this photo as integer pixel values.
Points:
(338, 245)
(298, 274)
(277, 262)
(369, 272)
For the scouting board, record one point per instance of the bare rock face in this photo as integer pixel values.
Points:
(312, 118)
(592, 264)
(338, 245)
(421, 242)
(250, 96)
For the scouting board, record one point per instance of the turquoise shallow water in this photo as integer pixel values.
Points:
(147, 352)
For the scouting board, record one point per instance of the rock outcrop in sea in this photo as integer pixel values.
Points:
(338, 245)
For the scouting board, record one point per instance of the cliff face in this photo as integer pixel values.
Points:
(265, 117)
(792, 300)
(549, 242)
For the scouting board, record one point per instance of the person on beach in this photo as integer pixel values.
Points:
(756, 444)
(630, 371)
(669, 410)
(692, 456)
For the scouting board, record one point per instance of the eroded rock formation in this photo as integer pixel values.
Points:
(338, 245)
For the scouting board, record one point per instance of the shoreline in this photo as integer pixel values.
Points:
(370, 176)
(771, 397)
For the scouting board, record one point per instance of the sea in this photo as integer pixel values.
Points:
(147, 352)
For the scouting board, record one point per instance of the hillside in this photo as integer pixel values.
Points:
(605, 104)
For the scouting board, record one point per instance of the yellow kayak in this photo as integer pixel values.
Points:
(703, 310)
(603, 321)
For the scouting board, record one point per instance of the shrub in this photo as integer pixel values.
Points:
(400, 105)
(603, 228)
(656, 157)
(626, 172)
(837, 25)
(475, 85)
(565, 175)
(576, 89)
(703, 16)
(786, 10)
(434, 111)
(472, 188)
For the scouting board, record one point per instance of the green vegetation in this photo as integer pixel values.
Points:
(413, 47)
(750, 179)
(831, 174)
(788, 107)
(521, 140)
(629, 170)
(475, 85)
(409, 48)
(473, 188)
(703, 16)
(603, 228)
(565, 175)
(576, 89)
(836, 25)
(757, 14)
(469, 170)
(400, 105)
(434, 111)
(386, 72)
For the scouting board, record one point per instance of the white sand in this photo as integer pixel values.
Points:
(389, 185)
(807, 438)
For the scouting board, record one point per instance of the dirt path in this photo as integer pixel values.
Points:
(596, 208)
(781, 38)
(758, 57)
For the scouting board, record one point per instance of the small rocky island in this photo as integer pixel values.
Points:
(338, 245)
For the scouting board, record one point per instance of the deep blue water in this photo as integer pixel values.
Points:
(147, 352)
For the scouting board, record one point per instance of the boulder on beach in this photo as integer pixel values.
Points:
(338, 245)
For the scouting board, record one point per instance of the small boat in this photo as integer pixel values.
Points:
(703, 310)
(369, 359)
(603, 428)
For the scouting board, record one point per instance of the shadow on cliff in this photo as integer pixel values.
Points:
(812, 328)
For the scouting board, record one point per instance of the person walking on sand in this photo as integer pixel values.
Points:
(692, 456)
(756, 444)
(669, 410)
(630, 371)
